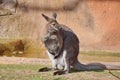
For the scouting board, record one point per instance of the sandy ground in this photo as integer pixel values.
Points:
(23, 60)
(19, 60)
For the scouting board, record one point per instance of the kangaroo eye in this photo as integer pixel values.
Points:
(53, 24)
(55, 32)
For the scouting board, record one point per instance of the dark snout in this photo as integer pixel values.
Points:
(54, 52)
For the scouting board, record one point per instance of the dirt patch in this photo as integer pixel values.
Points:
(21, 60)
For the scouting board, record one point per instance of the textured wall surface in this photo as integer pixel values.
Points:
(96, 22)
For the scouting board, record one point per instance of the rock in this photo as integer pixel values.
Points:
(18, 47)
(3, 48)
(7, 7)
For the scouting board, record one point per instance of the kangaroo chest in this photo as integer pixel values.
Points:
(57, 61)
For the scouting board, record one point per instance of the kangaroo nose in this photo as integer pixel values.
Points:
(53, 53)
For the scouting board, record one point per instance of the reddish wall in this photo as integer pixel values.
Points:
(96, 22)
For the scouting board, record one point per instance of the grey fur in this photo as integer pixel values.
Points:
(62, 46)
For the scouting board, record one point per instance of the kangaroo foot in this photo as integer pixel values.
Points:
(60, 72)
(44, 69)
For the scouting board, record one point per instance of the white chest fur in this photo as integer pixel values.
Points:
(58, 61)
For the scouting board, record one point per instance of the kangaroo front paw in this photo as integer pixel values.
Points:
(60, 72)
(44, 69)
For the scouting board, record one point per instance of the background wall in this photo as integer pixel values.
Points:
(96, 22)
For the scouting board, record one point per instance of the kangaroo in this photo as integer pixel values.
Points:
(62, 47)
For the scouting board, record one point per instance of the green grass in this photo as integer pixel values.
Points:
(25, 72)
(105, 56)
(30, 72)
(100, 53)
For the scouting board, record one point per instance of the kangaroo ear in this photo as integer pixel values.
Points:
(46, 17)
(54, 15)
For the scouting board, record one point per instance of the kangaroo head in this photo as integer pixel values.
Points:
(52, 24)
(55, 40)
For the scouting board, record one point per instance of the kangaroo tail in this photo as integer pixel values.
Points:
(95, 66)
